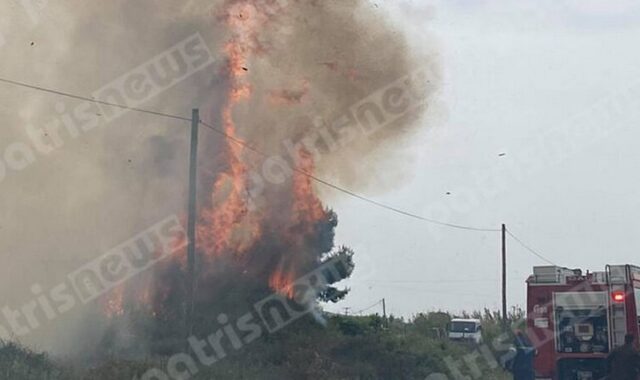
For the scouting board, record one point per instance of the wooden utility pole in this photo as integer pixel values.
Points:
(384, 313)
(504, 275)
(191, 223)
(384, 309)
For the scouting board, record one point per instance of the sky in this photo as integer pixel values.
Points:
(517, 74)
(534, 129)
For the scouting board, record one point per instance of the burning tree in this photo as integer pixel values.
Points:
(283, 60)
(245, 251)
(151, 310)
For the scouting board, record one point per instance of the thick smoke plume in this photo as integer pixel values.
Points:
(310, 62)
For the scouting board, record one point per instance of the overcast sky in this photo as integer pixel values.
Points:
(514, 71)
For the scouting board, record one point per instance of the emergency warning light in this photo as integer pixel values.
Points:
(618, 296)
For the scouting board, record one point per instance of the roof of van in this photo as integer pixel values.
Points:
(465, 320)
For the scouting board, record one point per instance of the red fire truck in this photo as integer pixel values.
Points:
(575, 319)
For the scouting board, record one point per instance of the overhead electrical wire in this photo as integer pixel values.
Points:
(249, 147)
(368, 307)
(263, 154)
(79, 97)
(351, 193)
(528, 248)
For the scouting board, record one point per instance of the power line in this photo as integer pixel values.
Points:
(249, 147)
(351, 193)
(92, 100)
(528, 248)
(368, 307)
(440, 292)
(263, 154)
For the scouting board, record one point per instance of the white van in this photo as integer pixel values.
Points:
(466, 329)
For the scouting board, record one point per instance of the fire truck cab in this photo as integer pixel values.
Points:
(575, 319)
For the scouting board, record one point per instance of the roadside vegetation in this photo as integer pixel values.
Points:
(346, 347)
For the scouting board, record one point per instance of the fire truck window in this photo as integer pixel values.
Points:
(582, 331)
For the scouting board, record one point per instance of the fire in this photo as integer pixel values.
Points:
(282, 282)
(289, 97)
(228, 227)
(306, 206)
(114, 302)
(306, 210)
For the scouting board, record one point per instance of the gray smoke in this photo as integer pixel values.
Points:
(69, 206)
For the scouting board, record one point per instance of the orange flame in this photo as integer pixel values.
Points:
(306, 206)
(228, 226)
(282, 282)
(306, 209)
(114, 302)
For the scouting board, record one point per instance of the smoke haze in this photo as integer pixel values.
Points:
(314, 60)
